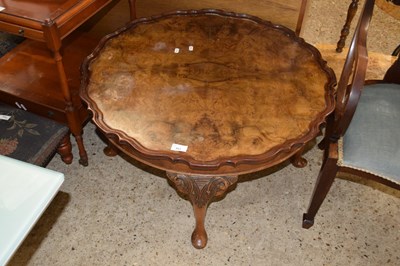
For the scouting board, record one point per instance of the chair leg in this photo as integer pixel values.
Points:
(65, 149)
(324, 182)
(323, 144)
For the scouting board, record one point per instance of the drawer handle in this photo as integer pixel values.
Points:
(21, 32)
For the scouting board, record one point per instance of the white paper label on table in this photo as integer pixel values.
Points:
(5, 117)
(178, 147)
(2, 8)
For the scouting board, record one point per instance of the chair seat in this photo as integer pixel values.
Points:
(372, 142)
(28, 137)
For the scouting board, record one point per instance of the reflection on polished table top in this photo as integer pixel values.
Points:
(37, 10)
(207, 95)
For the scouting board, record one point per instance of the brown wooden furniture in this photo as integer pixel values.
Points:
(350, 15)
(362, 134)
(346, 27)
(289, 13)
(42, 74)
(206, 96)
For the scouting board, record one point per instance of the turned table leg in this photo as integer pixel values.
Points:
(65, 150)
(201, 190)
(71, 113)
(75, 125)
(346, 27)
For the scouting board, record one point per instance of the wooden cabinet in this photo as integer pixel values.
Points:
(42, 74)
(29, 77)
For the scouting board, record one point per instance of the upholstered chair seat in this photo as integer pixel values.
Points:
(371, 143)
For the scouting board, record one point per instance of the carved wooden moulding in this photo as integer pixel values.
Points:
(199, 91)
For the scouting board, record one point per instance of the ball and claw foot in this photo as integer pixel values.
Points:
(307, 223)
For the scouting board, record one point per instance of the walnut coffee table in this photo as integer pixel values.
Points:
(206, 96)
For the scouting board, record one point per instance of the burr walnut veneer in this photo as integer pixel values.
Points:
(206, 96)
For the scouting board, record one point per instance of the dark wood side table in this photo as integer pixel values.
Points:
(206, 96)
(42, 74)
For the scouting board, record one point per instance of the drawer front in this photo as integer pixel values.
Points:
(22, 31)
(45, 111)
(49, 112)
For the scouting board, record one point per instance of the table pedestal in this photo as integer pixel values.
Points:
(201, 190)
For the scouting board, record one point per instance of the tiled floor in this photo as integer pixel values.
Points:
(115, 212)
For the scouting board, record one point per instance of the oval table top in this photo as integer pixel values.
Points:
(207, 90)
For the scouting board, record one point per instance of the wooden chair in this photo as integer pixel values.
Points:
(362, 135)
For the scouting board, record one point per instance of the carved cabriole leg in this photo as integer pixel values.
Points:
(201, 190)
(298, 160)
(65, 150)
(346, 27)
